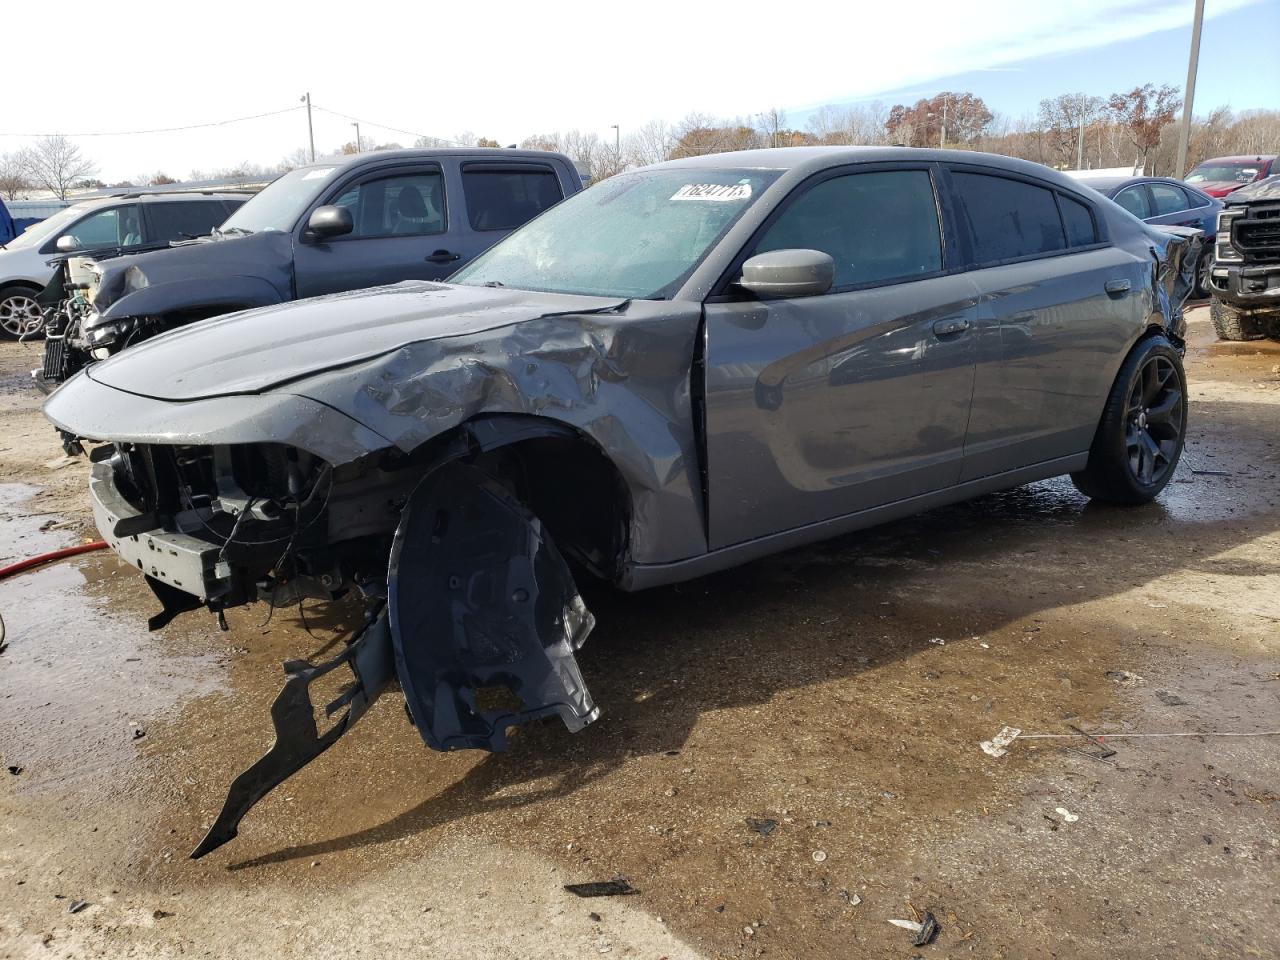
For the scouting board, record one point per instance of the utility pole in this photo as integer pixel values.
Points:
(942, 143)
(617, 148)
(357, 126)
(311, 136)
(1080, 140)
(1184, 133)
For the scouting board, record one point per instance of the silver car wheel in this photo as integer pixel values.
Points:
(19, 315)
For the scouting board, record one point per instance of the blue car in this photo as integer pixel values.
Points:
(1159, 200)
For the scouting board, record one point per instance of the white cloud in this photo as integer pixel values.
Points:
(500, 69)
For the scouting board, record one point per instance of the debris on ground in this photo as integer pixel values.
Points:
(14, 769)
(160, 914)
(619, 887)
(998, 745)
(1125, 678)
(762, 826)
(1170, 699)
(1066, 815)
(594, 917)
(1104, 751)
(924, 931)
(819, 856)
(77, 905)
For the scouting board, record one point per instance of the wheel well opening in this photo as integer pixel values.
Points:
(576, 491)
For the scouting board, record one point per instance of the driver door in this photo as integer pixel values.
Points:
(824, 406)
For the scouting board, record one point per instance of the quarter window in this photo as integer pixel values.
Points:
(1010, 219)
(503, 198)
(877, 227)
(407, 204)
(1167, 199)
(1078, 219)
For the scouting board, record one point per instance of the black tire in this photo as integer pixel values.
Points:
(1229, 325)
(1140, 436)
(1202, 290)
(18, 311)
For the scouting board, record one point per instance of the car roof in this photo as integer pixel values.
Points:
(1241, 158)
(373, 156)
(165, 197)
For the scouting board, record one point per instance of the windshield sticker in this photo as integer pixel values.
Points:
(317, 174)
(718, 192)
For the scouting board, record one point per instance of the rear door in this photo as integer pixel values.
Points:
(404, 230)
(500, 196)
(823, 406)
(1059, 306)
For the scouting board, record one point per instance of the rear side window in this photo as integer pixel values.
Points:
(502, 198)
(179, 220)
(1078, 220)
(877, 227)
(1167, 199)
(400, 205)
(1009, 218)
(1134, 199)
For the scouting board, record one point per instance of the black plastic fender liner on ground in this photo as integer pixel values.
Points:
(485, 616)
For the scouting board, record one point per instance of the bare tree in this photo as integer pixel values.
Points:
(13, 176)
(1064, 119)
(56, 164)
(651, 143)
(860, 124)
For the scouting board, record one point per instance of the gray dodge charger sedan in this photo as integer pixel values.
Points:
(680, 369)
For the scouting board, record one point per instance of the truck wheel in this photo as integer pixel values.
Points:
(19, 312)
(1229, 325)
(1139, 438)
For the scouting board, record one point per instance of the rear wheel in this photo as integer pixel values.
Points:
(1230, 325)
(1140, 437)
(19, 313)
(1202, 291)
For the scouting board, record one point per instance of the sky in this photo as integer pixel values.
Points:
(508, 70)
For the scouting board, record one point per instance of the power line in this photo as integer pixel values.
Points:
(383, 126)
(190, 126)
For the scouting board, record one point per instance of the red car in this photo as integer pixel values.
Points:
(1221, 175)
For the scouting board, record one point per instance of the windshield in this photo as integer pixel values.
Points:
(634, 235)
(1209, 172)
(280, 203)
(37, 233)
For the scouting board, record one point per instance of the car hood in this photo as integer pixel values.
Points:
(266, 255)
(1217, 188)
(1268, 189)
(256, 350)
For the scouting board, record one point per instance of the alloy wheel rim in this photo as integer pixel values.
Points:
(1153, 421)
(19, 314)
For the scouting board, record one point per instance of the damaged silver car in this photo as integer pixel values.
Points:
(684, 368)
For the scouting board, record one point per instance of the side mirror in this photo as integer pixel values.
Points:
(788, 273)
(67, 244)
(330, 221)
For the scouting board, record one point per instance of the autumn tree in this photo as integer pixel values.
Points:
(158, 179)
(56, 164)
(13, 176)
(1065, 118)
(1143, 112)
(955, 118)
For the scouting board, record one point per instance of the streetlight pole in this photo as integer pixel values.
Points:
(617, 148)
(1184, 133)
(357, 126)
(311, 135)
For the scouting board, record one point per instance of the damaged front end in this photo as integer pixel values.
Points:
(469, 604)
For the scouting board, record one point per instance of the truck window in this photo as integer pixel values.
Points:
(502, 197)
(179, 220)
(399, 205)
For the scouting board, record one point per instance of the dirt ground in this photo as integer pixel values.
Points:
(841, 691)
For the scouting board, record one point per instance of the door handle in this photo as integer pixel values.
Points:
(950, 326)
(1116, 288)
(443, 256)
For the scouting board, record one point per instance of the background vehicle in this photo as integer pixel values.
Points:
(1245, 277)
(27, 213)
(132, 221)
(366, 220)
(1162, 201)
(682, 369)
(1219, 176)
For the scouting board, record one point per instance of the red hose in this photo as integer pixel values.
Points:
(30, 562)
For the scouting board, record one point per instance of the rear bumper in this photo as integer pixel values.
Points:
(178, 559)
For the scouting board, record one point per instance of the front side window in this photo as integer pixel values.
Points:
(877, 227)
(634, 235)
(113, 227)
(1010, 219)
(400, 205)
(503, 198)
(1167, 199)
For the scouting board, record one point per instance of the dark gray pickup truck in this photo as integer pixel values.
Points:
(361, 221)
(1245, 277)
